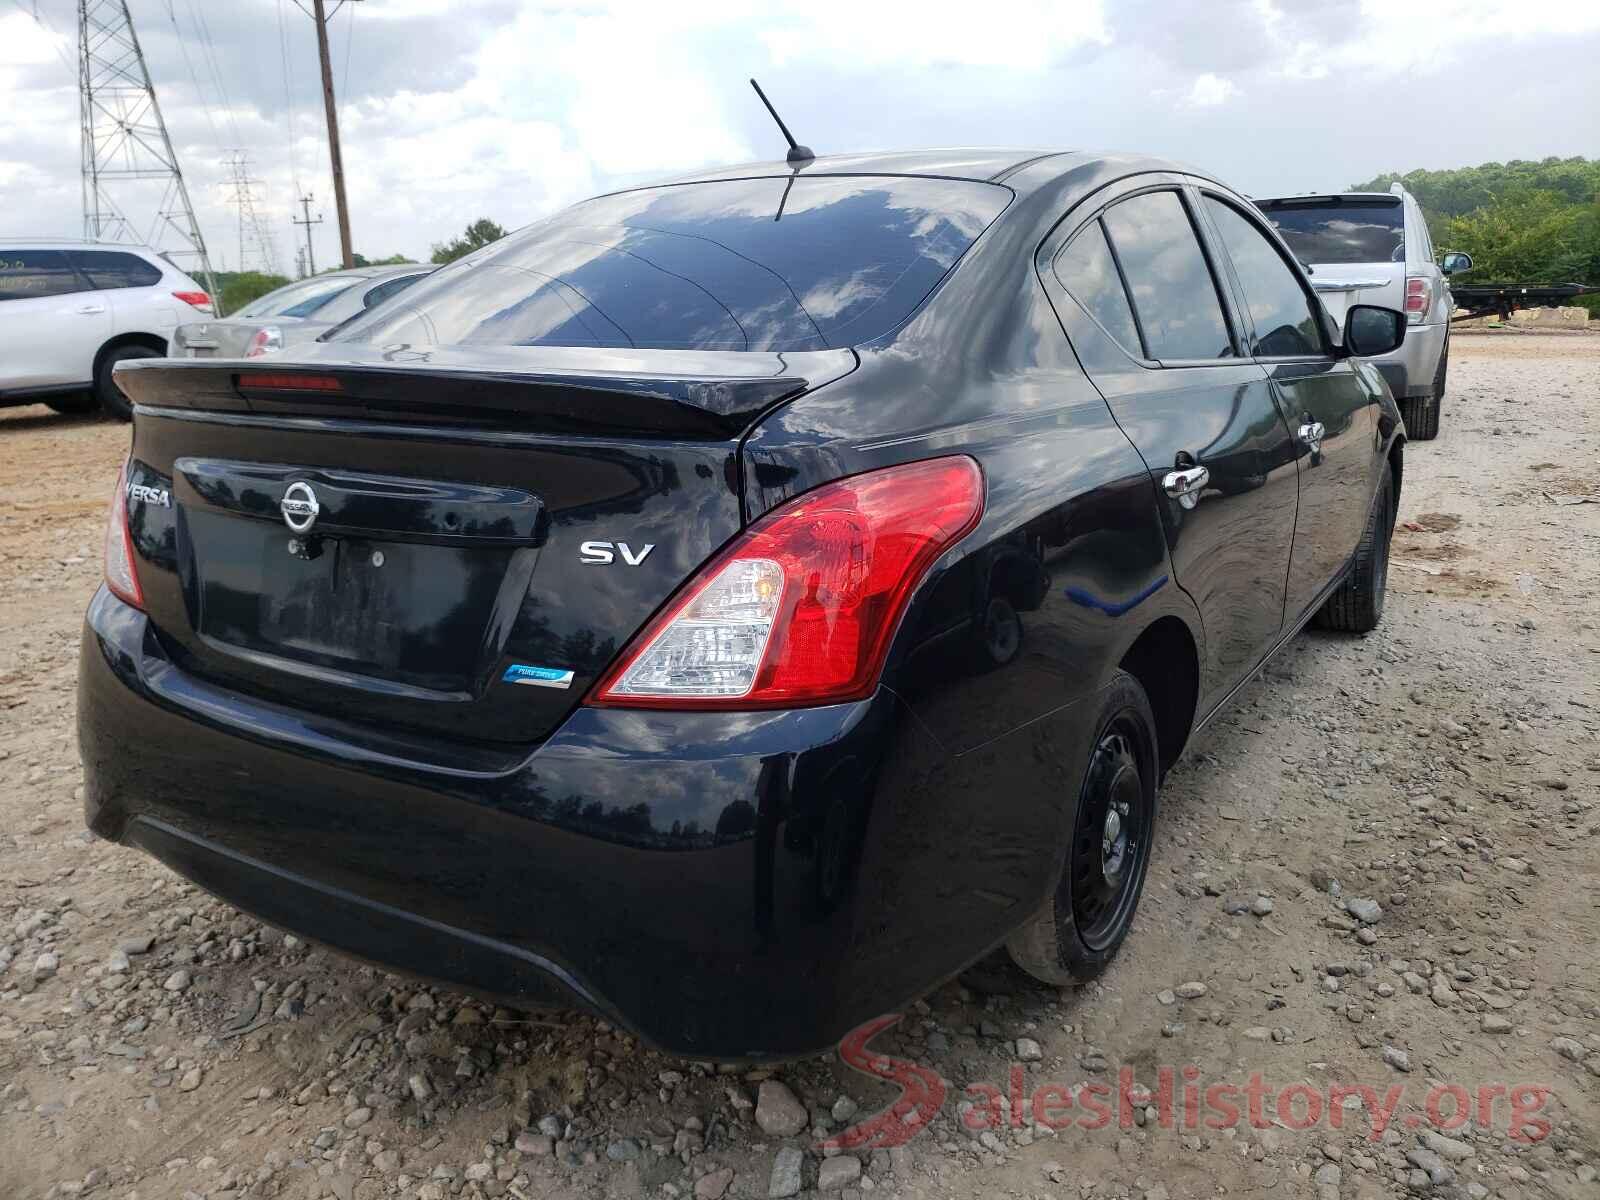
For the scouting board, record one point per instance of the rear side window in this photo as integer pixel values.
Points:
(376, 296)
(1341, 231)
(1285, 325)
(1088, 272)
(115, 269)
(1173, 291)
(299, 299)
(790, 263)
(31, 274)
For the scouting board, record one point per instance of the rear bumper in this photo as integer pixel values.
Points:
(1411, 369)
(725, 885)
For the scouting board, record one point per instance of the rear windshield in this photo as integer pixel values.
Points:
(1357, 231)
(299, 299)
(790, 263)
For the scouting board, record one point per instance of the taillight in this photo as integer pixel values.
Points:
(267, 339)
(800, 608)
(1419, 298)
(121, 577)
(286, 382)
(197, 299)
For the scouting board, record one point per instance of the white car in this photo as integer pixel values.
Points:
(71, 311)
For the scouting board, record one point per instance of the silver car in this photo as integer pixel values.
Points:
(1374, 248)
(297, 312)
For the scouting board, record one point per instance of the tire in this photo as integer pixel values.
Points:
(1357, 606)
(1421, 413)
(73, 403)
(1083, 924)
(105, 387)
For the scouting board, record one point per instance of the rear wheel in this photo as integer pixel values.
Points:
(105, 387)
(1082, 925)
(1421, 413)
(1357, 606)
(73, 403)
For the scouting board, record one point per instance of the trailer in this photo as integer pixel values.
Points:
(1505, 298)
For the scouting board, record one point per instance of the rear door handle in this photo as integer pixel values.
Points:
(88, 309)
(1184, 486)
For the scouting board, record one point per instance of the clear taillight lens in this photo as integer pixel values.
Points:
(121, 577)
(267, 339)
(800, 608)
(1419, 298)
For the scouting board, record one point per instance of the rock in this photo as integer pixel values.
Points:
(1328, 1175)
(1494, 1023)
(1441, 991)
(419, 1087)
(479, 1171)
(1235, 906)
(785, 1180)
(1323, 879)
(778, 1112)
(1397, 1058)
(357, 1117)
(1515, 865)
(623, 1150)
(838, 1173)
(45, 966)
(1261, 906)
(1415, 984)
(844, 1108)
(1426, 1160)
(190, 1080)
(1368, 912)
(1029, 1050)
(1166, 996)
(178, 981)
(551, 1125)
(538, 1144)
(713, 1185)
(138, 944)
(1569, 1048)
(1258, 1033)
(1192, 990)
(1445, 1147)
(117, 963)
(387, 1161)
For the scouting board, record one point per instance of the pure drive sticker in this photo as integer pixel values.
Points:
(551, 677)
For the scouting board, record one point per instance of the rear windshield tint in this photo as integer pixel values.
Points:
(300, 299)
(747, 264)
(1365, 231)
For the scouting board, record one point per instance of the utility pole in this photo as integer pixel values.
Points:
(305, 207)
(320, 16)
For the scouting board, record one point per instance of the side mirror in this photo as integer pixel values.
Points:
(1370, 331)
(1455, 262)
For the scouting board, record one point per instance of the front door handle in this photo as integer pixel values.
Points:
(89, 309)
(1184, 486)
(1312, 433)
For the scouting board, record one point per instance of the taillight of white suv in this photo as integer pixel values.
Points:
(199, 300)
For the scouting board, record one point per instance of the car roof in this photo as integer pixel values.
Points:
(1312, 197)
(33, 243)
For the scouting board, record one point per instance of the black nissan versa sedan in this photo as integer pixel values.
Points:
(737, 605)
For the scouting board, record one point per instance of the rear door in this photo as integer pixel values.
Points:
(132, 287)
(1199, 411)
(51, 324)
(1355, 243)
(1330, 404)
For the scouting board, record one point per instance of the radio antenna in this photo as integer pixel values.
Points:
(797, 153)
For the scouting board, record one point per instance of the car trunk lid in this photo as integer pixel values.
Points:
(422, 545)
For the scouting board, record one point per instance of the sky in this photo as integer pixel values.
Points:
(452, 110)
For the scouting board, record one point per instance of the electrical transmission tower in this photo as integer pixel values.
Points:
(255, 240)
(124, 140)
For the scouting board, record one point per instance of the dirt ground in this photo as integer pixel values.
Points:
(1381, 868)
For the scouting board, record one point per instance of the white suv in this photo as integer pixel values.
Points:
(70, 311)
(1374, 248)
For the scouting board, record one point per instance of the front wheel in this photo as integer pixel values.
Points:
(105, 387)
(1083, 923)
(1357, 606)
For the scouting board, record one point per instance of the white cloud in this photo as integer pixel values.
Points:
(1210, 90)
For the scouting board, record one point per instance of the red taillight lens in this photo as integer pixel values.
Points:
(121, 577)
(198, 299)
(800, 608)
(276, 382)
(1419, 298)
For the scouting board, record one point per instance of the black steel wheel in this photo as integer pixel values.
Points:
(1078, 931)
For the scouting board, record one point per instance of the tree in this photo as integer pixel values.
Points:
(394, 260)
(240, 287)
(479, 234)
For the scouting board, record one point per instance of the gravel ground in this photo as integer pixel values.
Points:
(1381, 868)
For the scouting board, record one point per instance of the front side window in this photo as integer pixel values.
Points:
(1173, 291)
(34, 274)
(1341, 231)
(1285, 322)
(106, 269)
(1086, 269)
(770, 264)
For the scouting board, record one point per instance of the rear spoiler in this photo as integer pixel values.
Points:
(560, 390)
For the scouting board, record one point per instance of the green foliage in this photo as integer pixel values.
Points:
(394, 260)
(480, 233)
(1523, 222)
(240, 287)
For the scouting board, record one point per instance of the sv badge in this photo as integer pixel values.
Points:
(599, 554)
